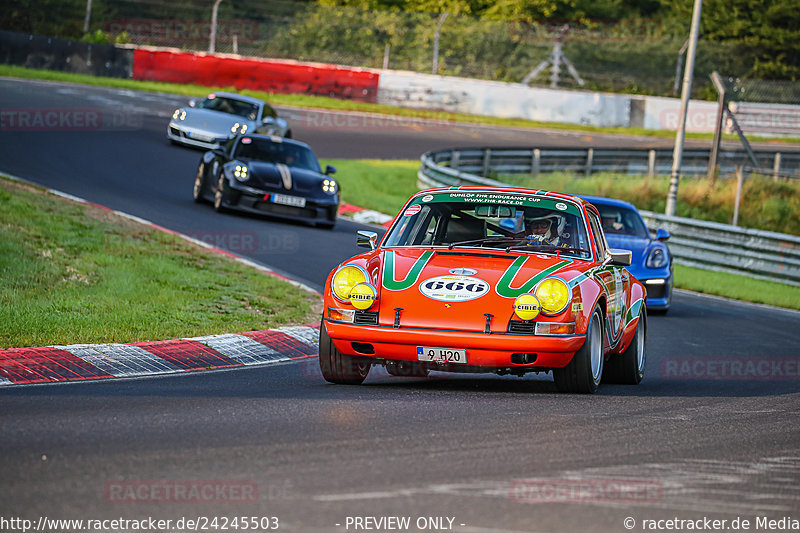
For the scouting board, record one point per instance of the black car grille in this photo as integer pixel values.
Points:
(656, 291)
(522, 327)
(366, 318)
(287, 210)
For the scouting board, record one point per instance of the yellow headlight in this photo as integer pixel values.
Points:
(527, 306)
(345, 279)
(554, 295)
(363, 296)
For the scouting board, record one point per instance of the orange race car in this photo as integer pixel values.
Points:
(483, 279)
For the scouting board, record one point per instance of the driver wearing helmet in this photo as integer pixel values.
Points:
(545, 229)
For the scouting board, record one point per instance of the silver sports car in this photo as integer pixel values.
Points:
(208, 124)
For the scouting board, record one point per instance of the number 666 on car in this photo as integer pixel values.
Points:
(482, 279)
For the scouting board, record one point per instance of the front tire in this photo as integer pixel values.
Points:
(627, 368)
(199, 184)
(337, 367)
(582, 375)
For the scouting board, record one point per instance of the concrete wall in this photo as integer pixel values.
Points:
(499, 99)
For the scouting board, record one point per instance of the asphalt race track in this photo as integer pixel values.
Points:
(712, 432)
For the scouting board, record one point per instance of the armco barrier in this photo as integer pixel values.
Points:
(709, 245)
(586, 161)
(256, 74)
(715, 246)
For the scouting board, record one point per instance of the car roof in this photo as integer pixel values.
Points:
(235, 96)
(276, 139)
(600, 200)
(580, 201)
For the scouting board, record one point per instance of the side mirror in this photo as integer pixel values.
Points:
(330, 170)
(662, 234)
(268, 120)
(192, 102)
(621, 257)
(367, 239)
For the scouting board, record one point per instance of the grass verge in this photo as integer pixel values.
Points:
(385, 186)
(73, 273)
(322, 102)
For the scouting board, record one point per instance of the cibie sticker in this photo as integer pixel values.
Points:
(427, 198)
(561, 206)
(454, 288)
(246, 140)
(413, 210)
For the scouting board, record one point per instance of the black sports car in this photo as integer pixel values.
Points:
(268, 175)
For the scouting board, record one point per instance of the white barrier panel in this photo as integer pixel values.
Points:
(505, 100)
(664, 113)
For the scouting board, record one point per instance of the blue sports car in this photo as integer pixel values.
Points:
(652, 261)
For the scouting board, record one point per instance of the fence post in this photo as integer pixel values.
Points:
(776, 168)
(589, 160)
(454, 159)
(536, 161)
(739, 180)
(487, 156)
(651, 163)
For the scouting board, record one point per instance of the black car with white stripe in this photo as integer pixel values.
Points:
(268, 175)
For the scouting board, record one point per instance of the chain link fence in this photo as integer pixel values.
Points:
(636, 56)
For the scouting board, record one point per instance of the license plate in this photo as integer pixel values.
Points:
(284, 199)
(199, 137)
(441, 355)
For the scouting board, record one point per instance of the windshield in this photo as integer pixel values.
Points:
(621, 221)
(496, 220)
(291, 155)
(231, 106)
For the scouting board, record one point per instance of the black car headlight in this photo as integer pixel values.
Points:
(240, 172)
(657, 258)
(329, 186)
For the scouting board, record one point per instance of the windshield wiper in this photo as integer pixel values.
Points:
(548, 248)
(486, 240)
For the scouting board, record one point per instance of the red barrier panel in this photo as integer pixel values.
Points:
(255, 74)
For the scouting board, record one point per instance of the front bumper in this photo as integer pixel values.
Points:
(488, 351)
(659, 292)
(257, 202)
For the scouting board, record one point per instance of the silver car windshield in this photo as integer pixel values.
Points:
(231, 106)
(496, 220)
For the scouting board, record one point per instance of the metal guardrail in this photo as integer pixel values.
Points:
(643, 162)
(714, 246)
(709, 245)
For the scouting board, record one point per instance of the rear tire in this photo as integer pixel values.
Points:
(627, 368)
(219, 195)
(582, 374)
(337, 367)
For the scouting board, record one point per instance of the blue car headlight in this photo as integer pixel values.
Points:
(657, 258)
